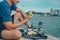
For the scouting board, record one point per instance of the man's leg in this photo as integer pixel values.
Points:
(20, 18)
(14, 34)
(11, 35)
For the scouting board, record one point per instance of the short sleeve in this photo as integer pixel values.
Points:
(13, 7)
(5, 14)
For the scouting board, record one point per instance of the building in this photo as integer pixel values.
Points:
(55, 11)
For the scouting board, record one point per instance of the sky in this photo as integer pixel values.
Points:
(38, 5)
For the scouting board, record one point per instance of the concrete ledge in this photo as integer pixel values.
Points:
(49, 38)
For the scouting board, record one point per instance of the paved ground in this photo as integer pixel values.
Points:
(49, 38)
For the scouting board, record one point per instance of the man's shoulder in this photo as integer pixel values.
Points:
(3, 3)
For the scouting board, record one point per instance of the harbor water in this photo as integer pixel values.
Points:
(51, 24)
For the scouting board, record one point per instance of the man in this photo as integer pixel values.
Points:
(8, 25)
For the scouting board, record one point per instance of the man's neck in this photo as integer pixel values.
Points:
(10, 3)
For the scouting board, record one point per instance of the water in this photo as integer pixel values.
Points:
(51, 25)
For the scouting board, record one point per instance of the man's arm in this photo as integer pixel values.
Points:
(22, 13)
(11, 26)
(24, 16)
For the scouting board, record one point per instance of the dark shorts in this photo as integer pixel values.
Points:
(0, 34)
(12, 18)
(12, 22)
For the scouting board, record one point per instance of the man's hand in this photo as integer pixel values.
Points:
(30, 15)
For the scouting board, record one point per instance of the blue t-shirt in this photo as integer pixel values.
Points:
(5, 13)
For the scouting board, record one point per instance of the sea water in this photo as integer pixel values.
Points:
(51, 24)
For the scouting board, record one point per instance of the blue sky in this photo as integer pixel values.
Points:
(38, 5)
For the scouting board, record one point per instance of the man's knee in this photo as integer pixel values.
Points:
(11, 34)
(19, 14)
(18, 34)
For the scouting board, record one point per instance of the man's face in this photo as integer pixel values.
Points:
(15, 1)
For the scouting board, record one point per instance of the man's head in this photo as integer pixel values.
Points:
(15, 1)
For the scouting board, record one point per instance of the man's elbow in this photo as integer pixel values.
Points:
(9, 28)
(8, 25)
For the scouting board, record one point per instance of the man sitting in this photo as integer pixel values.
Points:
(8, 26)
